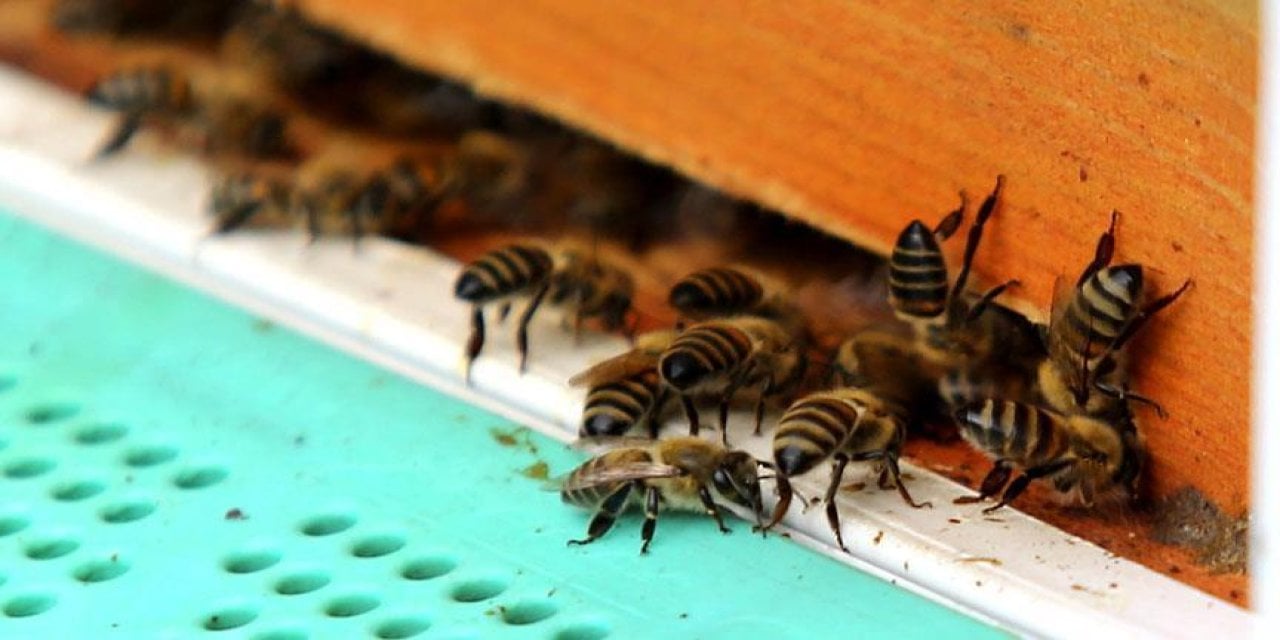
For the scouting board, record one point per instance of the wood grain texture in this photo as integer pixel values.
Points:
(857, 116)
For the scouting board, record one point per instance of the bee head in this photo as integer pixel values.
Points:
(735, 478)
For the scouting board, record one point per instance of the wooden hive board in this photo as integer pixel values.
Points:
(856, 117)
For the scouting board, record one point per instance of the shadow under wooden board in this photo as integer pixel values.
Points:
(75, 63)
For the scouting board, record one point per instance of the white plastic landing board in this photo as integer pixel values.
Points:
(393, 304)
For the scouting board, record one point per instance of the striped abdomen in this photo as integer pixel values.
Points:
(716, 291)
(703, 351)
(811, 430)
(613, 409)
(503, 272)
(1022, 433)
(1097, 313)
(139, 90)
(581, 490)
(917, 274)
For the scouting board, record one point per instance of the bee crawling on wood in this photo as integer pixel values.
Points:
(683, 474)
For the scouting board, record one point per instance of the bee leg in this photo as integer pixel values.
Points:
(605, 516)
(121, 136)
(975, 237)
(651, 497)
(950, 223)
(891, 465)
(1144, 314)
(577, 328)
(235, 218)
(991, 485)
(704, 495)
(1020, 483)
(691, 413)
(764, 393)
(735, 383)
(651, 416)
(309, 210)
(1125, 395)
(475, 342)
(988, 297)
(784, 502)
(504, 311)
(829, 499)
(522, 329)
(1102, 253)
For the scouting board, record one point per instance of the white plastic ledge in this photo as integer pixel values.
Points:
(393, 304)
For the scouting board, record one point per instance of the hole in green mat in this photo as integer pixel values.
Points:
(404, 627)
(101, 433)
(528, 611)
(583, 631)
(123, 512)
(282, 634)
(327, 525)
(77, 490)
(28, 468)
(51, 412)
(101, 570)
(477, 589)
(149, 456)
(351, 605)
(376, 546)
(300, 583)
(199, 478)
(250, 561)
(50, 548)
(428, 567)
(30, 604)
(229, 618)
(11, 524)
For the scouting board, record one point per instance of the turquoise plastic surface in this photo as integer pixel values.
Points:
(173, 467)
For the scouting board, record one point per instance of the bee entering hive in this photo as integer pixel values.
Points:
(386, 149)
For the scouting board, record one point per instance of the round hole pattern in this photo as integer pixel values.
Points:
(229, 618)
(199, 478)
(428, 567)
(302, 582)
(477, 589)
(130, 511)
(528, 611)
(51, 412)
(583, 631)
(327, 525)
(101, 570)
(250, 561)
(77, 490)
(100, 433)
(402, 627)
(149, 456)
(351, 605)
(50, 548)
(377, 546)
(28, 468)
(11, 524)
(29, 604)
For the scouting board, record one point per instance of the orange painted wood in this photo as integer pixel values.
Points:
(858, 116)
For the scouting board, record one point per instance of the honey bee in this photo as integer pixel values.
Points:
(1085, 370)
(849, 424)
(625, 391)
(584, 285)
(686, 474)
(720, 357)
(241, 197)
(719, 292)
(1086, 459)
(223, 124)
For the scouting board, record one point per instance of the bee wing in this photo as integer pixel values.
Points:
(616, 368)
(620, 473)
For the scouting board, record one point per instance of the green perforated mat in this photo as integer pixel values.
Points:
(173, 467)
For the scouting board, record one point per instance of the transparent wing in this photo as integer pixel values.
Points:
(620, 473)
(616, 368)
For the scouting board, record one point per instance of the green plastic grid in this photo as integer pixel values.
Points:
(172, 467)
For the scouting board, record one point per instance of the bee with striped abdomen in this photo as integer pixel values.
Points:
(1085, 458)
(625, 392)
(585, 286)
(215, 124)
(685, 474)
(849, 424)
(720, 357)
(719, 292)
(1085, 370)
